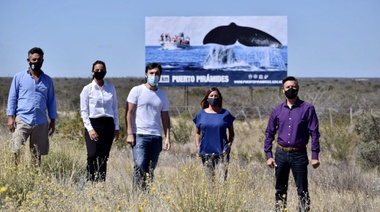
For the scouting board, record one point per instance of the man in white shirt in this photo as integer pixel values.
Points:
(147, 106)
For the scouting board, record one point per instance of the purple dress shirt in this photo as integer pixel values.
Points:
(294, 126)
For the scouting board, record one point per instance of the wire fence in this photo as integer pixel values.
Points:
(325, 114)
(330, 115)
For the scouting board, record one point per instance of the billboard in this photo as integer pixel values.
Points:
(218, 50)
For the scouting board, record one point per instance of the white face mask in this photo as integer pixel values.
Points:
(153, 80)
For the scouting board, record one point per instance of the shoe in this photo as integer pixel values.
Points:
(280, 206)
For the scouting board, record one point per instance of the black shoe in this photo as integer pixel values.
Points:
(280, 206)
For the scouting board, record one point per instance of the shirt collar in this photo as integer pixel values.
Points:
(28, 72)
(296, 104)
(96, 85)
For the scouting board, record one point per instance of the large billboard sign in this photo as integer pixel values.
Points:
(218, 51)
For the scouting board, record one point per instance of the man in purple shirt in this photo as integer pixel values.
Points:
(31, 99)
(294, 121)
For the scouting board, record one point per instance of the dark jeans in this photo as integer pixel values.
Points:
(296, 161)
(217, 164)
(98, 151)
(145, 155)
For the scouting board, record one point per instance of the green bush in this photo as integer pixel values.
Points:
(368, 150)
(182, 130)
(368, 126)
(338, 140)
(71, 127)
(368, 154)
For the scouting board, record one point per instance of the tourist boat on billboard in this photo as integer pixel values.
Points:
(177, 42)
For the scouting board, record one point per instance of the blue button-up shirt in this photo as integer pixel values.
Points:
(30, 100)
(294, 126)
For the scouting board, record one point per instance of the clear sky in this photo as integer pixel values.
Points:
(338, 38)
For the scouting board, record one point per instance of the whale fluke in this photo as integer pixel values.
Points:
(228, 35)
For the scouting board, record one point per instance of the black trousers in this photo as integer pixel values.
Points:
(98, 151)
(297, 162)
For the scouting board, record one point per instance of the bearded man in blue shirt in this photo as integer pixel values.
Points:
(294, 121)
(31, 95)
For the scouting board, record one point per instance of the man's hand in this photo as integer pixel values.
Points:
(116, 135)
(131, 140)
(271, 163)
(315, 163)
(11, 123)
(167, 144)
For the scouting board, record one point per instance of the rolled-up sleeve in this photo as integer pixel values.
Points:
(12, 98)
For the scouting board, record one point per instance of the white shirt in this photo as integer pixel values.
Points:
(96, 101)
(149, 105)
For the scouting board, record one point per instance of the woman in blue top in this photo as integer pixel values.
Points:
(211, 140)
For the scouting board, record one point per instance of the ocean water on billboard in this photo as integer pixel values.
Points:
(218, 57)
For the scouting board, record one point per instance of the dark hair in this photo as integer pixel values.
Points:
(98, 62)
(151, 66)
(289, 78)
(204, 102)
(36, 50)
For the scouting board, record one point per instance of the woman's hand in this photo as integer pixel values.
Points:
(93, 135)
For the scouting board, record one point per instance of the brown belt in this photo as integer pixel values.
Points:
(290, 149)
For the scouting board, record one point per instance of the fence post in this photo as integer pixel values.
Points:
(258, 111)
(246, 119)
(351, 116)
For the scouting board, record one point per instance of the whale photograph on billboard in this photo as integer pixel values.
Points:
(218, 50)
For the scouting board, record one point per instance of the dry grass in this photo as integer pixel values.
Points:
(179, 184)
(59, 185)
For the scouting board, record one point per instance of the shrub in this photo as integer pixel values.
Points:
(368, 154)
(368, 150)
(182, 129)
(338, 140)
(70, 127)
(369, 127)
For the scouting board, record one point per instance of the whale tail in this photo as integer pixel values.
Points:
(228, 35)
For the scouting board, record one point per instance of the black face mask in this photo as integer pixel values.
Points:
(291, 93)
(99, 75)
(213, 101)
(35, 66)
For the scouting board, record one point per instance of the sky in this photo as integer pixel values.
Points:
(334, 39)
